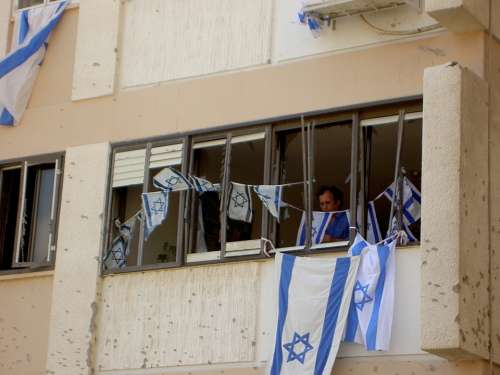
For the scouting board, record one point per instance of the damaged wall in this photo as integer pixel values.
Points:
(24, 323)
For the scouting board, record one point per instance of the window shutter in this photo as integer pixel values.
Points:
(129, 168)
(166, 156)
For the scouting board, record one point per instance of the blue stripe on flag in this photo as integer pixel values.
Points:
(23, 27)
(407, 214)
(337, 288)
(148, 209)
(352, 322)
(20, 56)
(287, 263)
(374, 221)
(358, 247)
(371, 333)
(324, 222)
(6, 118)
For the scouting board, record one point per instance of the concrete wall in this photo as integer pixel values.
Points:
(24, 323)
(455, 298)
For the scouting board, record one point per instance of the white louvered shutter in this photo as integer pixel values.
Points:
(129, 168)
(166, 156)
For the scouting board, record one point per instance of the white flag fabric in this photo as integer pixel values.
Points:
(270, 195)
(120, 247)
(320, 221)
(202, 186)
(313, 297)
(373, 233)
(411, 201)
(171, 180)
(155, 209)
(372, 306)
(19, 69)
(240, 202)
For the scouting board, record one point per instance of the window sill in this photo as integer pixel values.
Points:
(24, 274)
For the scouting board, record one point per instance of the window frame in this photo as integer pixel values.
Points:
(360, 115)
(24, 163)
(16, 9)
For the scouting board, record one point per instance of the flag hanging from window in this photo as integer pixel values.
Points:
(239, 202)
(312, 307)
(155, 210)
(19, 69)
(373, 233)
(171, 180)
(270, 195)
(372, 306)
(120, 247)
(202, 186)
(411, 201)
(320, 221)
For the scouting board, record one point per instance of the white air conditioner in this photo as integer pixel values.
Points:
(333, 9)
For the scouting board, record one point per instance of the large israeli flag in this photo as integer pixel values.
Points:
(155, 209)
(320, 221)
(171, 180)
(19, 69)
(313, 297)
(372, 306)
(270, 195)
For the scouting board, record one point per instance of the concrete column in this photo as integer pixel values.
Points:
(455, 243)
(76, 277)
(460, 15)
(5, 10)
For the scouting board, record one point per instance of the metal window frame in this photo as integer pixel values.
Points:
(24, 163)
(359, 114)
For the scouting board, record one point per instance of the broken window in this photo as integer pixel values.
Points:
(29, 202)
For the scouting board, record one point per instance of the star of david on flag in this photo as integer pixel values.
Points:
(372, 307)
(313, 297)
(240, 203)
(171, 180)
(155, 209)
(270, 195)
(120, 247)
(201, 185)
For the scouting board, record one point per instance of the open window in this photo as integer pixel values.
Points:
(25, 4)
(29, 201)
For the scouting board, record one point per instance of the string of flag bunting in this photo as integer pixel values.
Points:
(240, 208)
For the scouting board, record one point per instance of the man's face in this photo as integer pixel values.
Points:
(327, 202)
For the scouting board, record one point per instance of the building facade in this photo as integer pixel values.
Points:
(221, 89)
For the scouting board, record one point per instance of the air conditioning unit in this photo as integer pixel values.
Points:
(333, 9)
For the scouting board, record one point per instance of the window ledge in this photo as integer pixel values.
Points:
(28, 274)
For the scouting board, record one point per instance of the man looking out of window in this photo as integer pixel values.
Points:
(330, 199)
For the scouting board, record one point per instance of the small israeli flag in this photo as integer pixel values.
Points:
(120, 247)
(240, 203)
(171, 180)
(411, 201)
(373, 234)
(202, 186)
(19, 69)
(155, 209)
(320, 221)
(270, 195)
(313, 297)
(372, 306)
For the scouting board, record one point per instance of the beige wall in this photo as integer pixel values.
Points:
(24, 323)
(53, 122)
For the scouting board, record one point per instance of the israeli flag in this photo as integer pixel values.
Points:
(373, 234)
(19, 69)
(372, 306)
(120, 247)
(313, 297)
(239, 202)
(320, 221)
(409, 236)
(270, 195)
(171, 180)
(155, 209)
(201, 185)
(411, 201)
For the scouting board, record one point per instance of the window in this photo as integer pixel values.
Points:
(23, 4)
(29, 203)
(332, 167)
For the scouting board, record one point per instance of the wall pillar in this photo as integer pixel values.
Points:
(460, 15)
(76, 278)
(455, 242)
